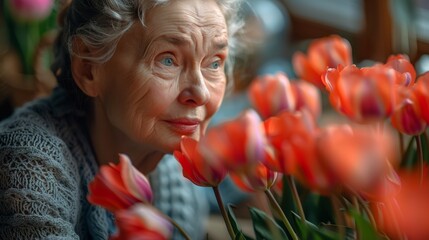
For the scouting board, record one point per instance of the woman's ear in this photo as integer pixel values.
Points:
(82, 69)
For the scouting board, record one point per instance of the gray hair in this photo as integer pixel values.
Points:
(100, 24)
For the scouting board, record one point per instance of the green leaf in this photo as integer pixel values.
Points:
(265, 227)
(317, 208)
(311, 231)
(239, 235)
(233, 219)
(364, 227)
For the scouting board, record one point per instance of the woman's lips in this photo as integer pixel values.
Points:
(184, 126)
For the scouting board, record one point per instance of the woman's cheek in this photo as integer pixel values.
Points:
(217, 94)
(160, 75)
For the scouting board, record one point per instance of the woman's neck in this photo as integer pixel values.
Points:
(108, 142)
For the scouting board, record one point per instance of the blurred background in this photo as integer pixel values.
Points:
(375, 29)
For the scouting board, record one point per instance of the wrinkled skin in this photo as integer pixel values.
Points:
(165, 80)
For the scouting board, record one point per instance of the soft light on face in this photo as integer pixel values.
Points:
(166, 79)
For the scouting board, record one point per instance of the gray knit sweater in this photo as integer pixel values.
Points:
(46, 163)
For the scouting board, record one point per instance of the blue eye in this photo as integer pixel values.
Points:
(215, 65)
(168, 61)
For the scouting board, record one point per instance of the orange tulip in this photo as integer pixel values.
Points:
(119, 186)
(406, 118)
(285, 132)
(257, 178)
(405, 72)
(271, 94)
(195, 167)
(293, 137)
(384, 185)
(237, 144)
(357, 158)
(322, 53)
(363, 95)
(404, 213)
(421, 93)
(307, 97)
(142, 222)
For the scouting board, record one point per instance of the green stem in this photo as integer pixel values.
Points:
(296, 198)
(420, 157)
(223, 211)
(280, 212)
(356, 203)
(339, 218)
(367, 211)
(175, 224)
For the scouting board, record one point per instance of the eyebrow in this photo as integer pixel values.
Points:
(221, 44)
(182, 40)
(175, 39)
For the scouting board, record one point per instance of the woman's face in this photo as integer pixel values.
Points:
(166, 79)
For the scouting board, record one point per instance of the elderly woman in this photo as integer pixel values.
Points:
(134, 76)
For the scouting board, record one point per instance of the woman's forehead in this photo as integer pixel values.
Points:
(179, 23)
(191, 11)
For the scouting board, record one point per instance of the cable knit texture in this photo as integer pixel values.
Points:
(46, 163)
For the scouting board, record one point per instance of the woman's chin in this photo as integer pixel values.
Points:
(172, 143)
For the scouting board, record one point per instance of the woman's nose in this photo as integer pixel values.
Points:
(194, 90)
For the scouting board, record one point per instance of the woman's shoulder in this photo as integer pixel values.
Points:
(40, 121)
(34, 132)
(30, 126)
(39, 185)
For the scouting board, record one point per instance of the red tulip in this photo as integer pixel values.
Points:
(271, 94)
(404, 213)
(238, 143)
(142, 222)
(257, 178)
(385, 185)
(307, 97)
(406, 74)
(286, 132)
(323, 53)
(293, 137)
(363, 95)
(119, 186)
(406, 118)
(355, 157)
(195, 167)
(421, 93)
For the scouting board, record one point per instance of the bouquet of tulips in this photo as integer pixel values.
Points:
(361, 174)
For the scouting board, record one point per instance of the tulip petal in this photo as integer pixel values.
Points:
(142, 222)
(134, 181)
(421, 94)
(304, 69)
(116, 187)
(195, 167)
